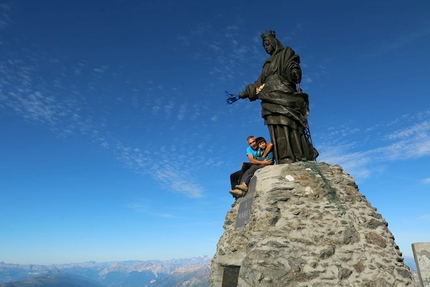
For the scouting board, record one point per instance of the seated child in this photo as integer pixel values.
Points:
(261, 142)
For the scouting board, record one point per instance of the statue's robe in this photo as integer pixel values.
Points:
(284, 110)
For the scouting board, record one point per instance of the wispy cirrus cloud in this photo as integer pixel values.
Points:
(70, 110)
(400, 39)
(77, 109)
(4, 18)
(138, 207)
(20, 92)
(419, 129)
(182, 111)
(146, 207)
(173, 175)
(225, 53)
(409, 142)
(403, 39)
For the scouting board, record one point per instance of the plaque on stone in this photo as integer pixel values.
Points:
(422, 259)
(245, 205)
(230, 276)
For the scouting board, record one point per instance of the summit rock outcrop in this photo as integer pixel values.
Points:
(306, 224)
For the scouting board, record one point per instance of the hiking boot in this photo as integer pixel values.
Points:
(242, 187)
(237, 192)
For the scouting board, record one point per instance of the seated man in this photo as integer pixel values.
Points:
(256, 157)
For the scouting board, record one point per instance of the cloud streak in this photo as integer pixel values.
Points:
(4, 18)
(411, 141)
(71, 113)
(171, 175)
(90, 105)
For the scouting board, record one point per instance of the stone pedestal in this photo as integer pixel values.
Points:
(308, 226)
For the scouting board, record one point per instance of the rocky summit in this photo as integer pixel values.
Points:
(306, 224)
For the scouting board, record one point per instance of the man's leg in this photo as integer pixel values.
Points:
(246, 177)
(250, 172)
(235, 178)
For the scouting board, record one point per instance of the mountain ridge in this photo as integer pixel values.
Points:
(130, 273)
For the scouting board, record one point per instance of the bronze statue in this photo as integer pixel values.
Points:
(284, 107)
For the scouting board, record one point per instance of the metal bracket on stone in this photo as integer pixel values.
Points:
(331, 193)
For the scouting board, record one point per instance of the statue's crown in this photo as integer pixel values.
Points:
(268, 33)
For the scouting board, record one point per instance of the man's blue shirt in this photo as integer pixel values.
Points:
(250, 150)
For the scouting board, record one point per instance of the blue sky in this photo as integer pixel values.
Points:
(116, 142)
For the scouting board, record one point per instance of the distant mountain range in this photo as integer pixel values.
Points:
(53, 281)
(192, 272)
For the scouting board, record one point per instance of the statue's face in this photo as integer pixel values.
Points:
(268, 47)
